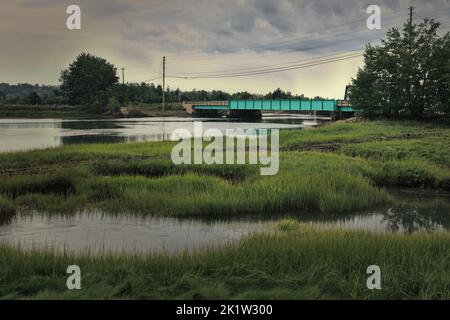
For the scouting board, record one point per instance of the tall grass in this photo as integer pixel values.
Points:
(298, 263)
(139, 177)
(351, 133)
(160, 168)
(312, 181)
(75, 155)
(60, 184)
(42, 111)
(435, 150)
(7, 210)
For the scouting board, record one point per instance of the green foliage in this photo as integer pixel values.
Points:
(329, 183)
(25, 93)
(43, 112)
(406, 76)
(7, 209)
(88, 80)
(334, 168)
(59, 183)
(165, 168)
(34, 99)
(113, 104)
(290, 261)
(299, 263)
(288, 225)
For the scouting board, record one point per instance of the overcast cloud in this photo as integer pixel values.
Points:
(199, 36)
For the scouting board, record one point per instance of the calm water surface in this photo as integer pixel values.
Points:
(97, 231)
(27, 134)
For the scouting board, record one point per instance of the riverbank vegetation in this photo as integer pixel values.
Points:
(294, 261)
(112, 110)
(407, 75)
(336, 168)
(43, 112)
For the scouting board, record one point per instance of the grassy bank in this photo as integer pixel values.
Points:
(309, 181)
(42, 112)
(337, 168)
(77, 112)
(334, 169)
(297, 262)
(155, 110)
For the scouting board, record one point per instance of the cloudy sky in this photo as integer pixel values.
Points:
(203, 40)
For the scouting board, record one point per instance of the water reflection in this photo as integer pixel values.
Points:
(96, 230)
(27, 134)
(413, 216)
(411, 211)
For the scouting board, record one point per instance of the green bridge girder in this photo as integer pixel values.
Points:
(276, 105)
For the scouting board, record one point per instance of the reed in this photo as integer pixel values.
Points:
(300, 262)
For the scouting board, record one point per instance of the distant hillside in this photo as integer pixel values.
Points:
(25, 93)
(22, 90)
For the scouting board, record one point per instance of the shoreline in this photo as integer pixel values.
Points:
(367, 158)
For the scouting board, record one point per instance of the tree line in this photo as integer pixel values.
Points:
(25, 93)
(92, 81)
(407, 75)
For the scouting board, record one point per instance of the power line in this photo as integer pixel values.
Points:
(296, 38)
(231, 55)
(275, 65)
(243, 72)
(310, 39)
(265, 56)
(256, 69)
(185, 60)
(275, 70)
(272, 68)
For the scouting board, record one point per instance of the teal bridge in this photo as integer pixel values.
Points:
(275, 105)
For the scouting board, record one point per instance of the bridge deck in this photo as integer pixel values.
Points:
(275, 105)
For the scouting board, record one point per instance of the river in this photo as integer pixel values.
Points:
(96, 231)
(28, 134)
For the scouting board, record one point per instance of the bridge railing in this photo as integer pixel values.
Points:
(208, 103)
(327, 105)
(284, 105)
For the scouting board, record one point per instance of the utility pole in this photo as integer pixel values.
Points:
(123, 86)
(411, 12)
(164, 84)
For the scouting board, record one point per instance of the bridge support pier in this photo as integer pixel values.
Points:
(207, 113)
(254, 114)
(336, 116)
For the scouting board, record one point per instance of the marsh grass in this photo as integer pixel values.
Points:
(350, 133)
(433, 149)
(60, 184)
(7, 210)
(310, 181)
(43, 111)
(160, 168)
(293, 261)
(74, 155)
(300, 262)
(140, 177)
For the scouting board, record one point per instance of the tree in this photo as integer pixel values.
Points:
(34, 99)
(88, 80)
(405, 75)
